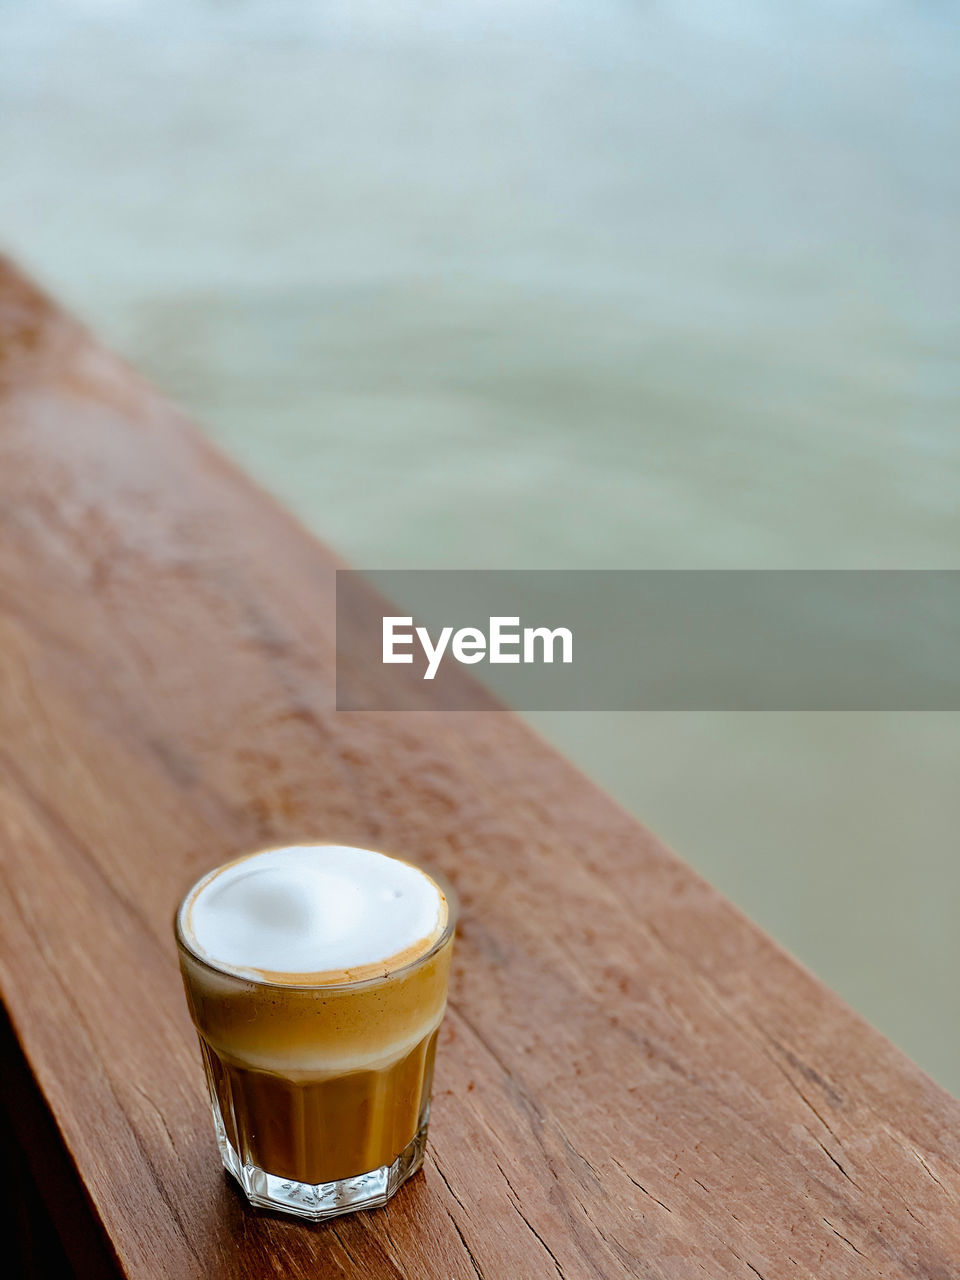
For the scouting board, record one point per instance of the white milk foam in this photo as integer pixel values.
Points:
(311, 909)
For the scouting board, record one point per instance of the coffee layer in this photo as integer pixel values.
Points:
(317, 1131)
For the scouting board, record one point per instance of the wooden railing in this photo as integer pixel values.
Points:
(633, 1081)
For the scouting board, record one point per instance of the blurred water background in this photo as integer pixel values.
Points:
(509, 283)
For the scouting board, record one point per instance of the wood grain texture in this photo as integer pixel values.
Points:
(633, 1081)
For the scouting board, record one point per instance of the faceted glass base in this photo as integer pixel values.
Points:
(320, 1200)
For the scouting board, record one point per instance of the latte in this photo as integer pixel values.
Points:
(316, 976)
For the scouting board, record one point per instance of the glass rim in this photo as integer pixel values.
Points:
(441, 881)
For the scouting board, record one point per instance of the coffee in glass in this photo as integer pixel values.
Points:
(316, 977)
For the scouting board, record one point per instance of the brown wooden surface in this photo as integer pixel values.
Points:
(632, 1080)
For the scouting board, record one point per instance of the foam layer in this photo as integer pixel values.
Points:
(321, 913)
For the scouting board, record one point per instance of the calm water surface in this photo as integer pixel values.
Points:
(584, 284)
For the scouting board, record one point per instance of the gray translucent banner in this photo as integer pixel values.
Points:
(802, 640)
